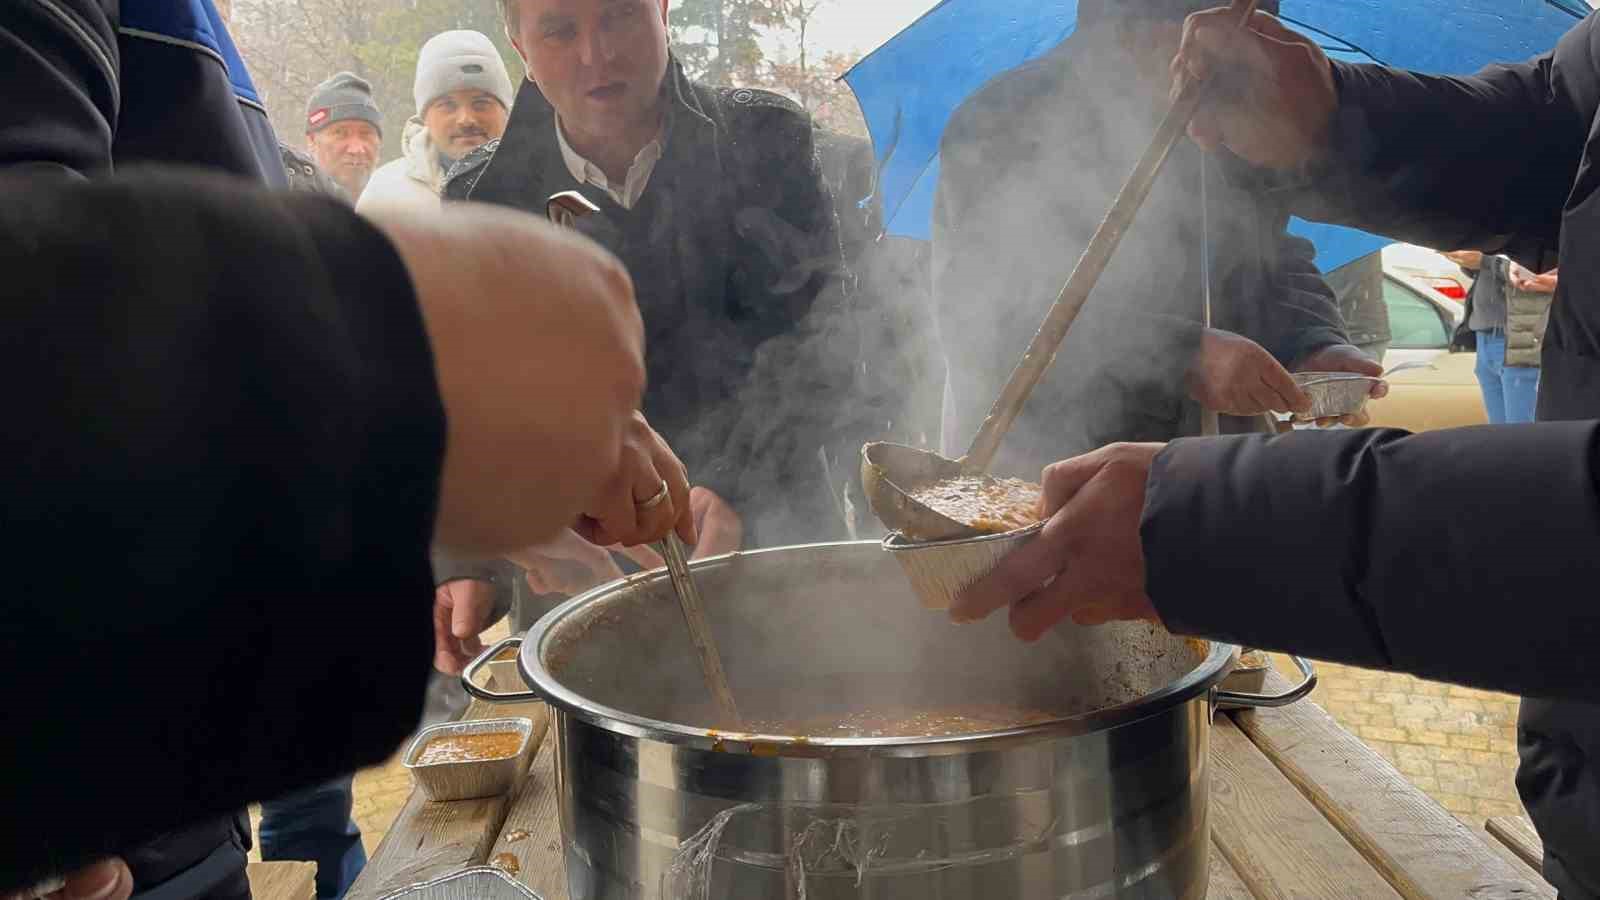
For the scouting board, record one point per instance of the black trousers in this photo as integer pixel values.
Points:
(204, 861)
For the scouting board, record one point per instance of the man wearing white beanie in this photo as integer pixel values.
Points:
(463, 96)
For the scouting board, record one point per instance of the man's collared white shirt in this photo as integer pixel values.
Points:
(586, 172)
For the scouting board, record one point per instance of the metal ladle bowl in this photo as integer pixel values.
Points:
(890, 498)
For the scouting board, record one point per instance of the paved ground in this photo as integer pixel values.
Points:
(1455, 743)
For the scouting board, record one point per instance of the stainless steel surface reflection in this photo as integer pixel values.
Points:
(1110, 800)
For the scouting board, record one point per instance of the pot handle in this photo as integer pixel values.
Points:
(1241, 700)
(469, 674)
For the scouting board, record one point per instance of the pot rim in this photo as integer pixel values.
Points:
(1193, 684)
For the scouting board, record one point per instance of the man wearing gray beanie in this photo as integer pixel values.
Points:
(463, 95)
(344, 130)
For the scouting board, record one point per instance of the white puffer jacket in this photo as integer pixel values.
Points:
(411, 181)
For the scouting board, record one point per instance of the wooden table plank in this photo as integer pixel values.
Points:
(532, 831)
(1277, 842)
(1225, 882)
(432, 839)
(282, 880)
(1518, 834)
(1423, 851)
(1521, 865)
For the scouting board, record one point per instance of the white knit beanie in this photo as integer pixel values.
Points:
(460, 61)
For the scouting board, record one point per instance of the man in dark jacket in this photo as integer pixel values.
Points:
(1028, 166)
(1361, 529)
(712, 199)
(242, 456)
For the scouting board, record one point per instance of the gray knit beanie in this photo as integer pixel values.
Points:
(460, 61)
(344, 96)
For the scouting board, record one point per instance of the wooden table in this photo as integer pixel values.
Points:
(1300, 809)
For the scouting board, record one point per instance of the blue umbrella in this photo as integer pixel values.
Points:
(909, 87)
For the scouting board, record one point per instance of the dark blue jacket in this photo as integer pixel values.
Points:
(100, 85)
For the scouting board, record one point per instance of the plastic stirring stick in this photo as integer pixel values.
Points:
(671, 550)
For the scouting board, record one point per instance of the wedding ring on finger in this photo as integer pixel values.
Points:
(655, 499)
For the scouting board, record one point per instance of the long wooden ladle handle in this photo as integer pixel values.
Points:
(1042, 350)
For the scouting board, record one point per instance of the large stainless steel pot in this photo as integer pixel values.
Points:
(1108, 801)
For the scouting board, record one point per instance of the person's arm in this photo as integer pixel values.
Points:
(229, 466)
(1372, 548)
(226, 473)
(1362, 547)
(1363, 142)
(60, 60)
(1389, 173)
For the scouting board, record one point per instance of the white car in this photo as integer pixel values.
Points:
(1427, 271)
(1444, 392)
(1422, 318)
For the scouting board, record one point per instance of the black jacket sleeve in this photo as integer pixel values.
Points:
(1303, 315)
(1390, 172)
(1464, 555)
(224, 453)
(59, 61)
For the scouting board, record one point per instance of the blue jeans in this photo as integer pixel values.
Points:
(1510, 393)
(314, 824)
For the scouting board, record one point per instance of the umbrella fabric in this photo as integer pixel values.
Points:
(909, 87)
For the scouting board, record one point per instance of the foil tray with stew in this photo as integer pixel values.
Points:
(886, 753)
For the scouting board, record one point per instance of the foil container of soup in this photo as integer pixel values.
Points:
(469, 779)
(1334, 393)
(476, 883)
(939, 570)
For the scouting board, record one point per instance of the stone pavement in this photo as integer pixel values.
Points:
(1456, 744)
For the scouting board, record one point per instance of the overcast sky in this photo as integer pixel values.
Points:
(847, 25)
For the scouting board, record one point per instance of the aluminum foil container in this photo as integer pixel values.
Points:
(939, 570)
(1334, 393)
(476, 883)
(474, 778)
(1249, 674)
